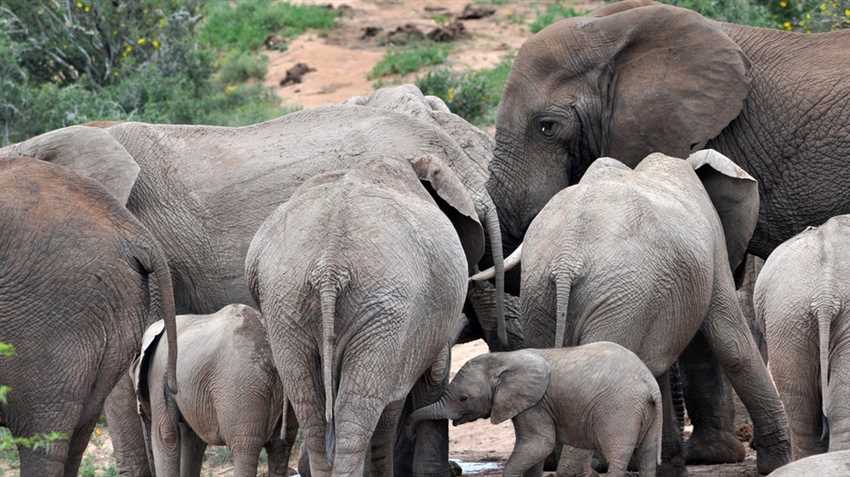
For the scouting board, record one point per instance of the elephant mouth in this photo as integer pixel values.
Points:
(463, 419)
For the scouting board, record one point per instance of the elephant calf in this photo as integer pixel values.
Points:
(596, 396)
(802, 294)
(230, 393)
(831, 464)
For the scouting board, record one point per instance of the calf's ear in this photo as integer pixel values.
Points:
(520, 381)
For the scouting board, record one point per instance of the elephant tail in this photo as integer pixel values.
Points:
(563, 283)
(824, 316)
(328, 292)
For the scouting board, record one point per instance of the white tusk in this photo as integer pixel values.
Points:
(510, 262)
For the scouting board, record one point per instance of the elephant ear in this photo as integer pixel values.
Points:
(89, 151)
(521, 379)
(618, 7)
(142, 363)
(735, 196)
(676, 80)
(454, 200)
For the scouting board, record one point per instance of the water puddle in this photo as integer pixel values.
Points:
(472, 468)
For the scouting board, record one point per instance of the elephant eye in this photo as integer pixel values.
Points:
(547, 128)
(464, 398)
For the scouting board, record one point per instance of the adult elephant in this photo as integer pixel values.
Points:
(80, 280)
(203, 191)
(637, 77)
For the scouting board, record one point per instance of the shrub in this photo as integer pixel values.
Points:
(238, 66)
(553, 13)
(400, 61)
(811, 15)
(245, 24)
(474, 95)
(744, 12)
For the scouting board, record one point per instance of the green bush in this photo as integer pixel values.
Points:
(553, 13)
(400, 61)
(474, 95)
(176, 80)
(811, 15)
(238, 67)
(245, 24)
(743, 12)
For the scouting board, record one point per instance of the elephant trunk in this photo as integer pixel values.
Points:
(436, 410)
(494, 233)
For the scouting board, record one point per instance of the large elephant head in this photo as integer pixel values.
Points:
(633, 78)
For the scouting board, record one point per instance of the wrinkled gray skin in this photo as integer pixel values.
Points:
(230, 393)
(802, 294)
(361, 278)
(203, 192)
(636, 77)
(596, 396)
(833, 464)
(641, 258)
(80, 280)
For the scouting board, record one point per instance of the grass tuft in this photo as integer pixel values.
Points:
(553, 13)
(246, 24)
(401, 61)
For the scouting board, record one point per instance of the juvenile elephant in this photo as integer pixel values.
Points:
(203, 192)
(361, 278)
(231, 393)
(641, 258)
(595, 396)
(822, 465)
(80, 279)
(802, 294)
(636, 77)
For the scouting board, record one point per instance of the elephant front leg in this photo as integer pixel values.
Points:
(730, 338)
(709, 402)
(125, 430)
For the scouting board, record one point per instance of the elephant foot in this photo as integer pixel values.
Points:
(772, 451)
(454, 469)
(674, 468)
(714, 447)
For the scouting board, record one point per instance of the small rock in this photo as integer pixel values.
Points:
(295, 74)
(435, 8)
(407, 33)
(371, 31)
(473, 12)
(275, 42)
(449, 32)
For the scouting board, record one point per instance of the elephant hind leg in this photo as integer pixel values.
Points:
(730, 338)
(383, 441)
(191, 451)
(77, 447)
(795, 370)
(279, 449)
(49, 461)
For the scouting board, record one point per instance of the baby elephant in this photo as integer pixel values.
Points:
(831, 464)
(596, 396)
(230, 393)
(802, 295)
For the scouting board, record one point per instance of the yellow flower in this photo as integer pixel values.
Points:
(155, 44)
(141, 41)
(450, 94)
(87, 9)
(229, 89)
(847, 12)
(787, 25)
(783, 3)
(823, 7)
(79, 4)
(98, 431)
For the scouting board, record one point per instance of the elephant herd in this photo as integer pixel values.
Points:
(312, 273)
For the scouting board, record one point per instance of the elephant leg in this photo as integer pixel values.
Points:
(279, 449)
(672, 460)
(383, 441)
(125, 430)
(427, 453)
(191, 452)
(795, 370)
(304, 461)
(730, 339)
(77, 447)
(246, 455)
(47, 461)
(574, 462)
(710, 406)
(535, 439)
(839, 391)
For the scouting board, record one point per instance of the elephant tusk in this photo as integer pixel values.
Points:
(510, 262)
